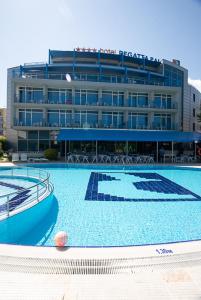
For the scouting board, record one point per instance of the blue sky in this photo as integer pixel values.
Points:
(159, 28)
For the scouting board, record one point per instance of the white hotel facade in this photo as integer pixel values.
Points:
(124, 96)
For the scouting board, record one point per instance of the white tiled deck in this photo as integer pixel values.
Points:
(101, 273)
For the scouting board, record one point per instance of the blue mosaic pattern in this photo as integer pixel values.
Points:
(160, 184)
(16, 200)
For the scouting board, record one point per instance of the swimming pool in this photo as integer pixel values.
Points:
(115, 206)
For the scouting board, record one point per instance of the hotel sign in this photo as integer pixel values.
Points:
(119, 52)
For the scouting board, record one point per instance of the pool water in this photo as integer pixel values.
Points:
(119, 207)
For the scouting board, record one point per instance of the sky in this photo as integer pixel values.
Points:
(159, 28)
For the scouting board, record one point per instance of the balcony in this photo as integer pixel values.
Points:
(72, 124)
(150, 105)
(115, 79)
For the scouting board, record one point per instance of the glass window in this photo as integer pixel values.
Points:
(121, 99)
(106, 119)
(22, 118)
(77, 117)
(77, 97)
(92, 97)
(37, 96)
(32, 145)
(53, 96)
(169, 124)
(142, 100)
(107, 98)
(53, 118)
(33, 135)
(169, 101)
(157, 101)
(37, 118)
(83, 98)
(43, 134)
(132, 100)
(43, 145)
(92, 119)
(22, 145)
(142, 121)
(22, 97)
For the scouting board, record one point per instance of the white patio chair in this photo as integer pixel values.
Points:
(15, 157)
(101, 158)
(77, 158)
(70, 158)
(85, 159)
(150, 160)
(138, 160)
(129, 160)
(115, 159)
(94, 159)
(23, 157)
(107, 159)
(122, 159)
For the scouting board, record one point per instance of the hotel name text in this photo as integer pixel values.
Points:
(118, 52)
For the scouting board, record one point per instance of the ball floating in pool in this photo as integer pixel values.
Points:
(60, 239)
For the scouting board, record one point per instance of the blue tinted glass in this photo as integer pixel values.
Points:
(92, 99)
(107, 99)
(62, 120)
(157, 121)
(157, 101)
(92, 119)
(121, 99)
(22, 117)
(53, 118)
(68, 119)
(22, 96)
(28, 119)
(107, 120)
(77, 98)
(53, 97)
(37, 118)
(83, 99)
(38, 96)
(62, 98)
(142, 120)
(168, 122)
(77, 118)
(142, 100)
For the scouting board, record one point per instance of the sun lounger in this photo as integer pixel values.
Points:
(23, 157)
(15, 157)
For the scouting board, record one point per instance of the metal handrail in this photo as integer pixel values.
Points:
(36, 190)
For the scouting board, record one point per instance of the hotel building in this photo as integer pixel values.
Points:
(89, 95)
(2, 121)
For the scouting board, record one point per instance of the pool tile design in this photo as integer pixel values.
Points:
(16, 200)
(157, 183)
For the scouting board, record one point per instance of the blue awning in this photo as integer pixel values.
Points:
(69, 134)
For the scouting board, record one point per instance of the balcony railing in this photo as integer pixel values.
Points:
(173, 126)
(100, 102)
(87, 77)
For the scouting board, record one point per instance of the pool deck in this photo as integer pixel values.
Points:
(165, 271)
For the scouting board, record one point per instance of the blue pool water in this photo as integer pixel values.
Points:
(100, 206)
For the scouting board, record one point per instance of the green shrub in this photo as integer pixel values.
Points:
(51, 154)
(3, 143)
